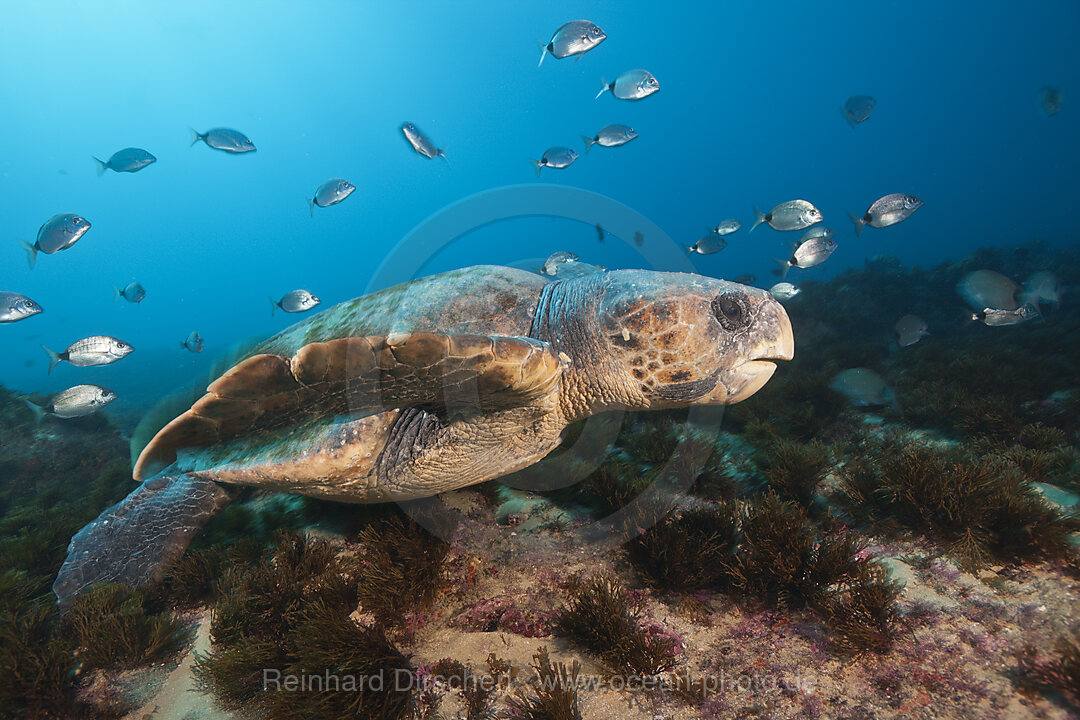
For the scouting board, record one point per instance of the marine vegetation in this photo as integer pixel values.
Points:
(401, 567)
(113, 625)
(1057, 673)
(767, 549)
(53, 479)
(554, 694)
(289, 613)
(978, 509)
(687, 551)
(602, 618)
(793, 470)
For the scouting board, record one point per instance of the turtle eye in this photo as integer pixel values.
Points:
(731, 310)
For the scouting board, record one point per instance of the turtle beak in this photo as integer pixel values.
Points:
(776, 342)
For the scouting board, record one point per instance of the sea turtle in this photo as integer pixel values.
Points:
(428, 386)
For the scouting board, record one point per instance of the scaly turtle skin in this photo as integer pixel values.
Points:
(432, 385)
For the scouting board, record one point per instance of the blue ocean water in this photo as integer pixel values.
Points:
(748, 114)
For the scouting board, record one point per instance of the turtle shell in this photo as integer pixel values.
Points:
(315, 445)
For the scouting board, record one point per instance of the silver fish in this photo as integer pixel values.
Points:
(887, 211)
(561, 257)
(90, 352)
(330, 193)
(15, 307)
(857, 109)
(999, 318)
(128, 160)
(1042, 287)
(988, 289)
(1050, 100)
(224, 139)
(610, 136)
(297, 301)
(784, 291)
(57, 233)
(816, 233)
(420, 142)
(810, 253)
(73, 402)
(711, 243)
(194, 342)
(555, 157)
(574, 38)
(864, 388)
(791, 215)
(631, 85)
(133, 292)
(726, 227)
(910, 329)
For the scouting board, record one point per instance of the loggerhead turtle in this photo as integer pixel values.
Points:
(428, 386)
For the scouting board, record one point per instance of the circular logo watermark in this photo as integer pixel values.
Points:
(575, 460)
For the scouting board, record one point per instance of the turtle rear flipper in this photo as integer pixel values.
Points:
(437, 372)
(135, 540)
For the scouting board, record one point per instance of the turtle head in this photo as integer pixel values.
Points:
(682, 339)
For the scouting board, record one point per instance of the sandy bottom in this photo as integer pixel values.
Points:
(952, 659)
(177, 698)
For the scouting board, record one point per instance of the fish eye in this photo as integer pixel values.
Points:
(121, 345)
(731, 310)
(76, 220)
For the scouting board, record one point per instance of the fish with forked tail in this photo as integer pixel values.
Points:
(133, 292)
(573, 38)
(909, 330)
(886, 211)
(1000, 318)
(90, 352)
(57, 233)
(193, 343)
(73, 402)
(421, 143)
(128, 160)
(558, 158)
(330, 193)
(790, 215)
(610, 136)
(631, 85)
(808, 254)
(297, 301)
(224, 139)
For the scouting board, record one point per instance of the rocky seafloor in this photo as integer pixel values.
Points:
(790, 557)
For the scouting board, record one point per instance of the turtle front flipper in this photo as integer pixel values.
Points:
(357, 375)
(135, 540)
